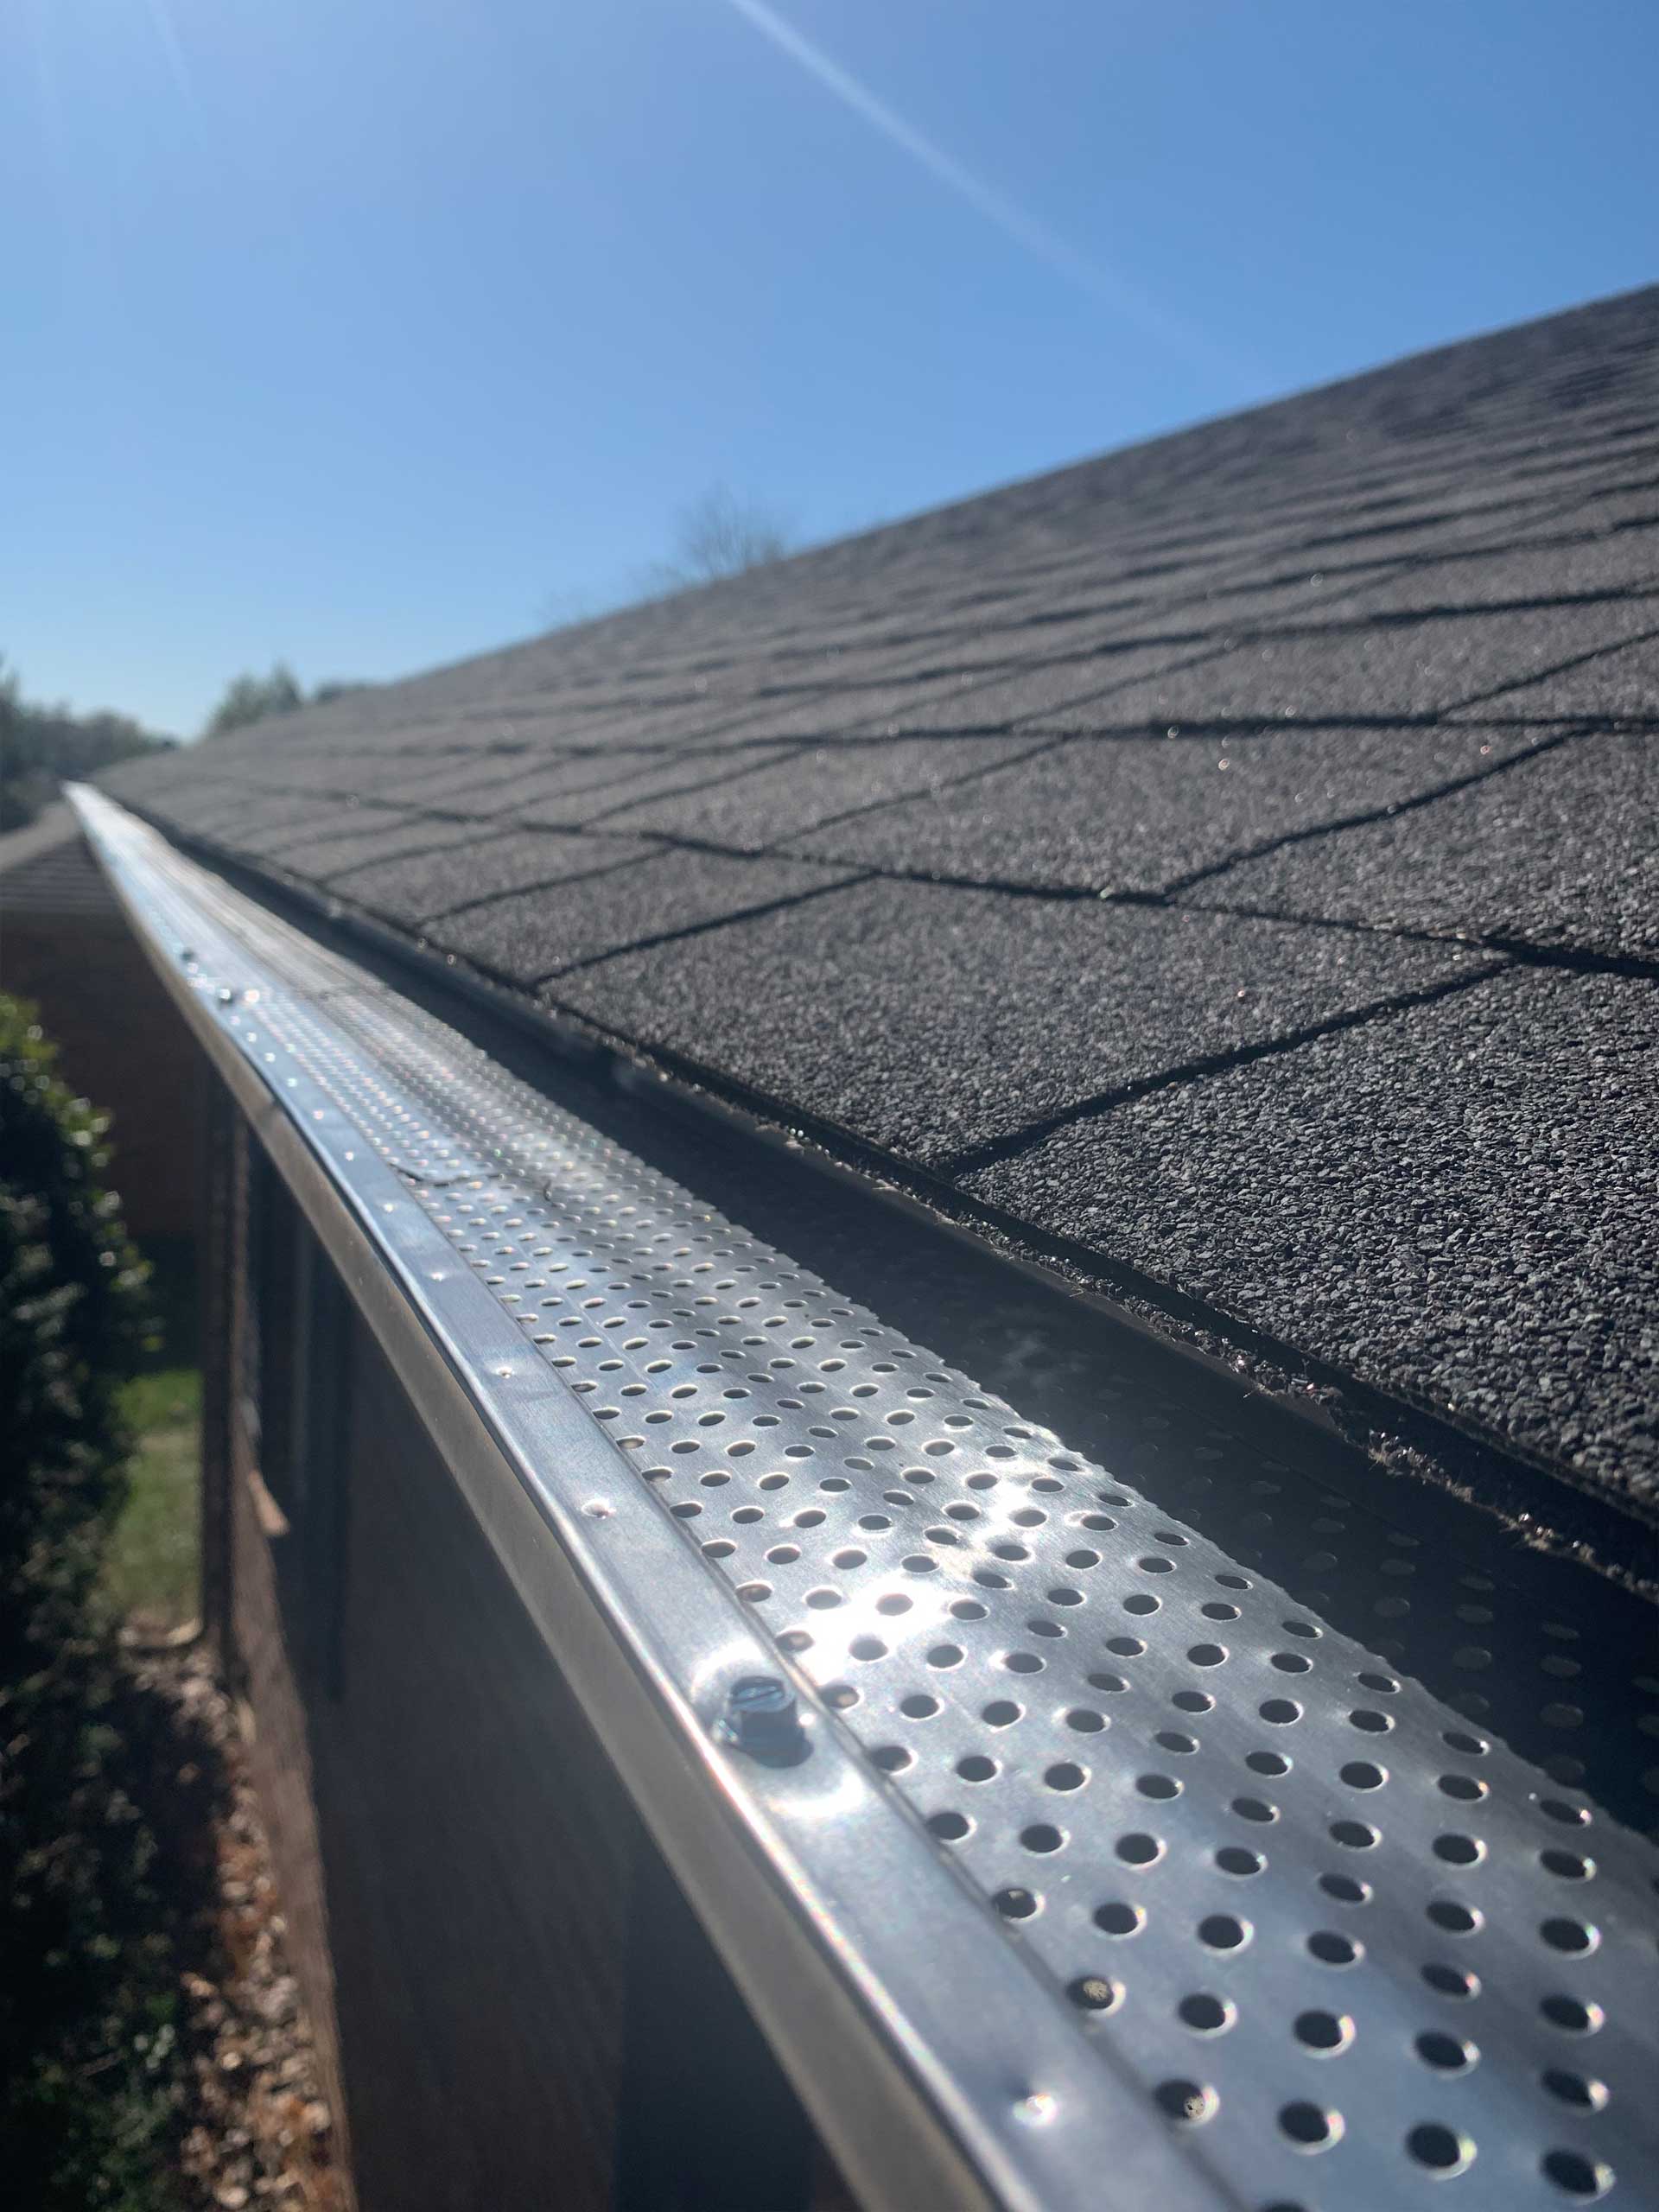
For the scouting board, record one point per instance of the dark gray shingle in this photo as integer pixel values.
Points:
(933, 1021)
(1560, 851)
(1456, 1201)
(1141, 814)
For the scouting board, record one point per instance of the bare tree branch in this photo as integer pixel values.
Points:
(720, 535)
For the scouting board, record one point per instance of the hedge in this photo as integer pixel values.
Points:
(94, 1867)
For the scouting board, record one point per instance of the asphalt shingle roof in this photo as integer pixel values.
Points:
(1234, 856)
(1463, 1189)
(47, 870)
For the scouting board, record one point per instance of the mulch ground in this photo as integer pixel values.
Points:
(256, 2128)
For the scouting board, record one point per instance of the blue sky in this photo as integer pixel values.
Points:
(372, 333)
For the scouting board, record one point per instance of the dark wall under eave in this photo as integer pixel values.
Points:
(123, 1046)
(454, 1854)
(514, 2006)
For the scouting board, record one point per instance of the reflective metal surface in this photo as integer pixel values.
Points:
(1089, 1801)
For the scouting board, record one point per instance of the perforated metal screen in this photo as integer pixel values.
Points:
(1358, 1949)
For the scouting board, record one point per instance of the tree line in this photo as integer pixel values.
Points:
(41, 747)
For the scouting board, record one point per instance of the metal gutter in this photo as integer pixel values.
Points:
(1110, 1875)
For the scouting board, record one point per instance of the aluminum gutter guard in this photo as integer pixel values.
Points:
(1099, 1872)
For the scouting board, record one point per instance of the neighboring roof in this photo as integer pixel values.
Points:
(46, 871)
(1231, 861)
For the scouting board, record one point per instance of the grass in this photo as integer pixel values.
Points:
(152, 1566)
(153, 1563)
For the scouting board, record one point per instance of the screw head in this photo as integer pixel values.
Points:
(763, 1718)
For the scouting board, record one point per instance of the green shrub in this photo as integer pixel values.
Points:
(73, 1319)
(97, 1863)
